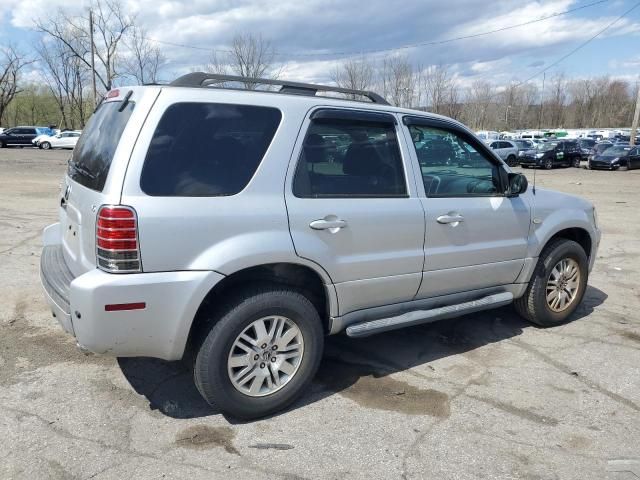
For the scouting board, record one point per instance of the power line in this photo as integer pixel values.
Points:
(579, 47)
(393, 49)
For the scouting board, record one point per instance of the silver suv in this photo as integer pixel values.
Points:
(238, 228)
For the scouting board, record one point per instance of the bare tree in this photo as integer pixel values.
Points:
(111, 23)
(250, 57)
(399, 81)
(438, 84)
(11, 63)
(479, 98)
(355, 74)
(66, 77)
(143, 60)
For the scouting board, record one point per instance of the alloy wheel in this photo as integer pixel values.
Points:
(563, 284)
(265, 356)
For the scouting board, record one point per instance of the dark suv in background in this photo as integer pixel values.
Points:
(22, 136)
(563, 153)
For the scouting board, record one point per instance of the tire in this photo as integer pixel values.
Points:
(45, 145)
(576, 162)
(511, 160)
(533, 305)
(524, 166)
(548, 164)
(2, 145)
(212, 371)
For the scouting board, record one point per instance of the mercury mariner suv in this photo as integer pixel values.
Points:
(238, 228)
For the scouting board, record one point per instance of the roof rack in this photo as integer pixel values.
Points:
(201, 79)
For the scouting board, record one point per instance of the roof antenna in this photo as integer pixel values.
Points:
(544, 75)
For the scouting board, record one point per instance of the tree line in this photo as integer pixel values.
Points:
(123, 54)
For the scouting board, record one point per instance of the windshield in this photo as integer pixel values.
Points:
(617, 151)
(94, 152)
(545, 147)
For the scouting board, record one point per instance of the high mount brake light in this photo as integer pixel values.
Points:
(117, 246)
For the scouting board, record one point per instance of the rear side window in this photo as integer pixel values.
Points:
(207, 149)
(349, 158)
(94, 151)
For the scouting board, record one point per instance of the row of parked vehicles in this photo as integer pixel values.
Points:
(42, 137)
(550, 153)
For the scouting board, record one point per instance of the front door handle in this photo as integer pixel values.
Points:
(451, 217)
(333, 225)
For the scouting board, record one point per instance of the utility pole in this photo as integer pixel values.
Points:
(636, 117)
(93, 53)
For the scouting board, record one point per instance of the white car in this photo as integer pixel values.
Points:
(61, 140)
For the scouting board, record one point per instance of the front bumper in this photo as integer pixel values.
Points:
(159, 330)
(605, 165)
(530, 162)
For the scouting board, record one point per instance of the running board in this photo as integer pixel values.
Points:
(426, 316)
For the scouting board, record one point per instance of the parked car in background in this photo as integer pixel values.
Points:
(586, 146)
(507, 150)
(551, 154)
(615, 157)
(22, 136)
(488, 136)
(599, 147)
(66, 139)
(523, 146)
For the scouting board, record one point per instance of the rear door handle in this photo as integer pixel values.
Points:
(332, 225)
(450, 217)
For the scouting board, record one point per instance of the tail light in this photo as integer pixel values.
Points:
(117, 246)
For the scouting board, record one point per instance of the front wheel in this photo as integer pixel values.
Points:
(511, 160)
(548, 164)
(261, 354)
(576, 162)
(557, 285)
(45, 145)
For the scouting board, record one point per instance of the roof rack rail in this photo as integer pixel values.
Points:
(201, 79)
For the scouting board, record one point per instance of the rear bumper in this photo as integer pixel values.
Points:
(159, 330)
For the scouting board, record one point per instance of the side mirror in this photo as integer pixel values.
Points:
(517, 184)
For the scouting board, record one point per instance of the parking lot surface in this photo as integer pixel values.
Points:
(484, 396)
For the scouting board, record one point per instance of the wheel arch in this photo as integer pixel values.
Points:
(298, 276)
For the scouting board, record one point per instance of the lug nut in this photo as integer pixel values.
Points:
(262, 365)
(264, 345)
(256, 356)
(275, 347)
(273, 359)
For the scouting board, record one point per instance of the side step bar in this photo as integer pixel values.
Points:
(426, 316)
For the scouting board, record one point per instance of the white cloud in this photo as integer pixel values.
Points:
(322, 26)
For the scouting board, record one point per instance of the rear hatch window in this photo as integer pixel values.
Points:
(92, 156)
(207, 149)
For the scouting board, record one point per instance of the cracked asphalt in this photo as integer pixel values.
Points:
(483, 396)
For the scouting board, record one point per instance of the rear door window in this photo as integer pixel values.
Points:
(350, 158)
(207, 149)
(93, 154)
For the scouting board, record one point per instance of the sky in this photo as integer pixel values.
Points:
(313, 36)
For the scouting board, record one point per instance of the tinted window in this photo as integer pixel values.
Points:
(348, 158)
(94, 151)
(207, 149)
(453, 167)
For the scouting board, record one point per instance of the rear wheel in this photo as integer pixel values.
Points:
(557, 285)
(2, 145)
(261, 354)
(45, 145)
(576, 162)
(548, 164)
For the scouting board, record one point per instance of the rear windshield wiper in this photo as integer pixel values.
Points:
(82, 169)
